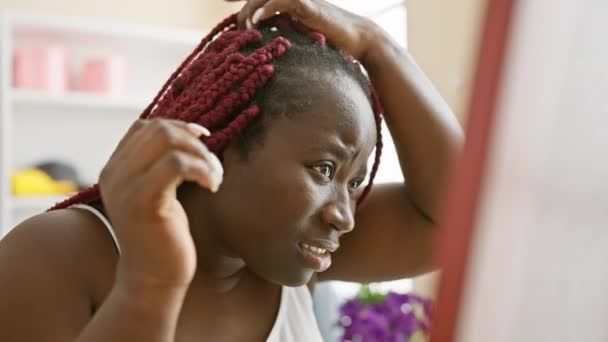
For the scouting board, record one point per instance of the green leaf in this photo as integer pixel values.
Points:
(367, 296)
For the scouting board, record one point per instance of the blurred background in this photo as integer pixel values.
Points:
(75, 74)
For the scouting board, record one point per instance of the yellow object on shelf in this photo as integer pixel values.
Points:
(31, 182)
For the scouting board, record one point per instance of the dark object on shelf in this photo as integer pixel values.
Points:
(61, 171)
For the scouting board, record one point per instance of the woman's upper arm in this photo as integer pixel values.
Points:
(43, 296)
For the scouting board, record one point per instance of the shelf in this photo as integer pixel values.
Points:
(36, 202)
(29, 98)
(36, 125)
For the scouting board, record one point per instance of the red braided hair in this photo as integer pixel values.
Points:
(215, 85)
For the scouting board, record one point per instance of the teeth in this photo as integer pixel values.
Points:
(314, 249)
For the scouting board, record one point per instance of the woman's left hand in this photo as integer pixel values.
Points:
(347, 31)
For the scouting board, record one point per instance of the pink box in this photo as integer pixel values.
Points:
(40, 68)
(105, 75)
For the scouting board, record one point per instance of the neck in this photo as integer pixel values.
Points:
(217, 270)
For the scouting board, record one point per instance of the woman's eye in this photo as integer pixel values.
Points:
(326, 170)
(355, 184)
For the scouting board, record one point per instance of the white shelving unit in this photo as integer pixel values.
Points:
(89, 125)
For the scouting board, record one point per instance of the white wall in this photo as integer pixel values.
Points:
(191, 14)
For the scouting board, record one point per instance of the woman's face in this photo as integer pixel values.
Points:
(299, 187)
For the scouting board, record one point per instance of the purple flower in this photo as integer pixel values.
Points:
(351, 307)
(407, 324)
(394, 319)
(367, 325)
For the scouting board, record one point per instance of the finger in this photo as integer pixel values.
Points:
(244, 16)
(165, 135)
(131, 133)
(299, 9)
(136, 126)
(270, 9)
(172, 169)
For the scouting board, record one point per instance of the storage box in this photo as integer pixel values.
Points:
(41, 68)
(104, 75)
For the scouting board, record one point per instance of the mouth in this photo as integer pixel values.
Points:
(317, 254)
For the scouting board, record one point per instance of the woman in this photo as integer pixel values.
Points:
(174, 245)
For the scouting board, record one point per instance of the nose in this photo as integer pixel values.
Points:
(338, 213)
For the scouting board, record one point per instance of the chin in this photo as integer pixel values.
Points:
(302, 279)
(292, 279)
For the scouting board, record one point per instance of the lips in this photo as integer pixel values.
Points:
(316, 253)
(326, 245)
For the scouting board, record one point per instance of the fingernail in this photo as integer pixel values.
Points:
(198, 129)
(215, 186)
(248, 24)
(257, 15)
(218, 173)
(217, 181)
(217, 164)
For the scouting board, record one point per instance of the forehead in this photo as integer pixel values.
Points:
(340, 113)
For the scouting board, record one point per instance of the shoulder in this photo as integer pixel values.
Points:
(73, 243)
(55, 270)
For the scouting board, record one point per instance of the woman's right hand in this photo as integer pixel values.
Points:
(138, 189)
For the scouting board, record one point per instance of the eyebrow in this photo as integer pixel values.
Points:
(339, 150)
(342, 153)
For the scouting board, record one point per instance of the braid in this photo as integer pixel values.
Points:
(223, 84)
(378, 110)
(219, 140)
(256, 77)
(209, 61)
(226, 23)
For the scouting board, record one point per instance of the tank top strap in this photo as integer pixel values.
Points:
(103, 219)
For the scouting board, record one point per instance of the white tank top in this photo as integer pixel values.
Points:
(295, 320)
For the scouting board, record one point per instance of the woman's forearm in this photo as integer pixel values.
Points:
(426, 133)
(135, 315)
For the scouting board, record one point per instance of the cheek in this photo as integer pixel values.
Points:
(270, 200)
(292, 193)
